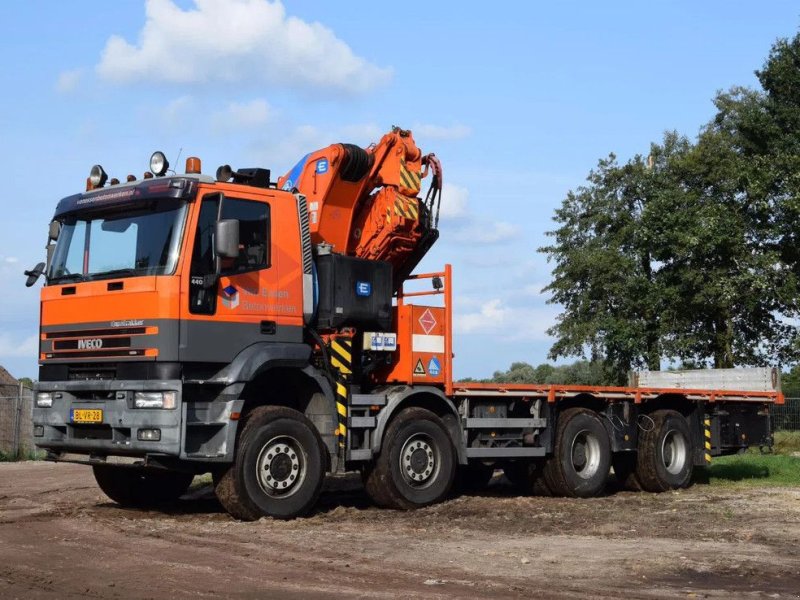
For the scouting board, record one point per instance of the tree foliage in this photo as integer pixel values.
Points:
(691, 253)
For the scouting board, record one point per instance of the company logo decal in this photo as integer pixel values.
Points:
(230, 297)
(363, 288)
(90, 344)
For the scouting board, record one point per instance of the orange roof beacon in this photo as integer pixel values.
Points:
(270, 332)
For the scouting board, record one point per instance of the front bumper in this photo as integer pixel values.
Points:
(117, 435)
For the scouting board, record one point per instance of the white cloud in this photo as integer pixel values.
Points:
(242, 115)
(454, 201)
(493, 316)
(177, 110)
(27, 347)
(440, 132)
(489, 316)
(236, 41)
(69, 80)
(9, 260)
(487, 233)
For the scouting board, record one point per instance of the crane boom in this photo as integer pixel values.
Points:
(364, 202)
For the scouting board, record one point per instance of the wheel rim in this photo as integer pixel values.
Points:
(419, 460)
(585, 454)
(674, 451)
(281, 467)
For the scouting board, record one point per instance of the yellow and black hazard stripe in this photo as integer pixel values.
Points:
(410, 179)
(406, 207)
(707, 437)
(341, 357)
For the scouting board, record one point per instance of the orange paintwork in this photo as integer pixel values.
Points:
(167, 296)
(434, 325)
(353, 217)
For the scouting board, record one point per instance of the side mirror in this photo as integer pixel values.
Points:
(55, 229)
(34, 274)
(226, 238)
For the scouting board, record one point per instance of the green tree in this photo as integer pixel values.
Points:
(606, 271)
(693, 254)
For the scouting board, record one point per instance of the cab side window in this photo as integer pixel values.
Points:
(254, 230)
(254, 247)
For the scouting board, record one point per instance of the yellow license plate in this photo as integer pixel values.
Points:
(87, 415)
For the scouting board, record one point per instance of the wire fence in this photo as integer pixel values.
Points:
(16, 422)
(787, 416)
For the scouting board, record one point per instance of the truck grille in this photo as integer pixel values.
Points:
(119, 342)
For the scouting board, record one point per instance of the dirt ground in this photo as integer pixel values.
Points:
(61, 538)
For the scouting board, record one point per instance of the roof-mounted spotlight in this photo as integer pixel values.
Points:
(97, 177)
(158, 164)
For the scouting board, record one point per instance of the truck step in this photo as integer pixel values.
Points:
(359, 454)
(368, 400)
(473, 423)
(361, 422)
(515, 452)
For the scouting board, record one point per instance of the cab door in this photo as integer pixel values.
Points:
(241, 304)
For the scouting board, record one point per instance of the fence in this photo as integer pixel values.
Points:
(16, 426)
(786, 417)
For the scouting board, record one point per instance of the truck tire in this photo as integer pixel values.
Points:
(581, 457)
(624, 464)
(141, 488)
(417, 463)
(664, 459)
(279, 467)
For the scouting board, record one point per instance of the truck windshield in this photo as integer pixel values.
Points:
(120, 244)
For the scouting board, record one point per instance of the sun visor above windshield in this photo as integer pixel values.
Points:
(176, 188)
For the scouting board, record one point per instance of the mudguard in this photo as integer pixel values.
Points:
(259, 357)
(399, 397)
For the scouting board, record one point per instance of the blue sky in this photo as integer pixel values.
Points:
(518, 102)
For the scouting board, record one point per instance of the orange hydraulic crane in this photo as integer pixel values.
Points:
(364, 202)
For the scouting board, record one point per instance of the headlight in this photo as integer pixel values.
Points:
(44, 400)
(155, 399)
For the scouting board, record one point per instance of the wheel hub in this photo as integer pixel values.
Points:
(585, 454)
(417, 460)
(579, 456)
(674, 451)
(280, 466)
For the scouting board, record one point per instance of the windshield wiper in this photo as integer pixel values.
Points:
(114, 273)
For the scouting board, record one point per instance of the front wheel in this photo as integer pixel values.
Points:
(279, 467)
(141, 488)
(417, 463)
(581, 457)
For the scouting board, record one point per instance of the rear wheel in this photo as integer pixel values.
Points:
(581, 457)
(665, 454)
(417, 462)
(140, 488)
(279, 467)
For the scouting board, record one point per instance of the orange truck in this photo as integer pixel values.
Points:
(272, 332)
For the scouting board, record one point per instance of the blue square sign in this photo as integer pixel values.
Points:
(363, 288)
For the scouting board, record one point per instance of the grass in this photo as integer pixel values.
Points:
(786, 442)
(781, 468)
(24, 455)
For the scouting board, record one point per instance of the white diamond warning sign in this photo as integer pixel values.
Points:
(427, 321)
